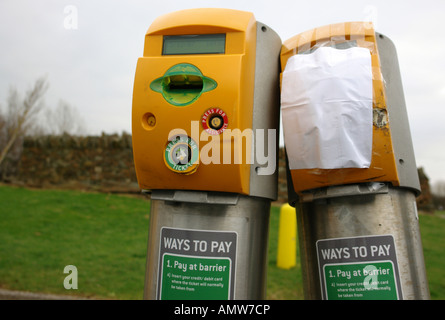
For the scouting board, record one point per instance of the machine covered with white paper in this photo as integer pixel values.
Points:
(351, 169)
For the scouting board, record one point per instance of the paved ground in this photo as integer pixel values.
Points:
(23, 295)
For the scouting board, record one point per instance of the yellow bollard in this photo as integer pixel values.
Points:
(287, 238)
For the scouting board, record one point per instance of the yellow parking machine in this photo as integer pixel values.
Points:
(204, 122)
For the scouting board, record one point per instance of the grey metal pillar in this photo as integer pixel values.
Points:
(225, 229)
(361, 225)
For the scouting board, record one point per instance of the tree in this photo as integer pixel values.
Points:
(21, 113)
(65, 119)
(439, 194)
(439, 188)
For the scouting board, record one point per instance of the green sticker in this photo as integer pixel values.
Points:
(181, 154)
(361, 281)
(195, 278)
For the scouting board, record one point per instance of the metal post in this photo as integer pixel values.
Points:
(361, 225)
(220, 229)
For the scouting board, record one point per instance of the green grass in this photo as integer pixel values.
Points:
(432, 230)
(105, 237)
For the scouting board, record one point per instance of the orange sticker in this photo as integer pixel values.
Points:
(214, 121)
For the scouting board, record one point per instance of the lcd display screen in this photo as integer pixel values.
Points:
(194, 44)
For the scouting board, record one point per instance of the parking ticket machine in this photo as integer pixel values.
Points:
(351, 169)
(204, 121)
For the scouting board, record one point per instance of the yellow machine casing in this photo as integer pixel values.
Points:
(386, 164)
(225, 81)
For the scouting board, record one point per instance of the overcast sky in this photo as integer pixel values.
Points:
(90, 61)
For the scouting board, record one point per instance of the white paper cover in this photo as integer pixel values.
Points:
(326, 103)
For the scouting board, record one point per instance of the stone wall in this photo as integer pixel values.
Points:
(102, 163)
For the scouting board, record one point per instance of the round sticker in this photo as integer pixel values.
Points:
(181, 154)
(214, 121)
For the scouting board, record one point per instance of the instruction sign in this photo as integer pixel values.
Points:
(196, 264)
(360, 268)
